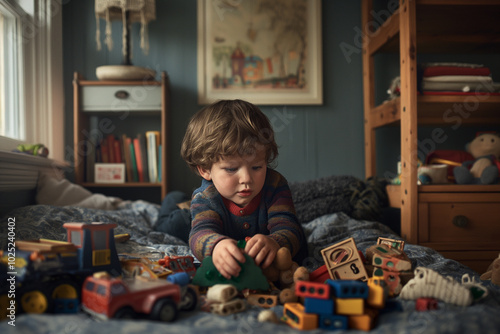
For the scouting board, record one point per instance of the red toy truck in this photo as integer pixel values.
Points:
(106, 297)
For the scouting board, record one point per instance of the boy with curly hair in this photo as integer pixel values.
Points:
(231, 145)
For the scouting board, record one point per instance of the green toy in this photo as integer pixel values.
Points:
(250, 277)
(33, 149)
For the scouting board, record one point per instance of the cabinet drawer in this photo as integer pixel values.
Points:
(121, 98)
(471, 222)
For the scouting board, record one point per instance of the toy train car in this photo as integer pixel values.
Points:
(49, 274)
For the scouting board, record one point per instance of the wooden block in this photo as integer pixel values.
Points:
(343, 261)
(295, 316)
(391, 243)
(364, 322)
(262, 300)
(349, 306)
(388, 258)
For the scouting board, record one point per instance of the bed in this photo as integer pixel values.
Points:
(332, 222)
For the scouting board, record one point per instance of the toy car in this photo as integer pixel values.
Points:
(106, 297)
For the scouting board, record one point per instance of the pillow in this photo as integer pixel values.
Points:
(51, 191)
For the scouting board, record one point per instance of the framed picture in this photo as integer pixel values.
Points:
(109, 173)
(264, 51)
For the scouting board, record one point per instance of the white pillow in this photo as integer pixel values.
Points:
(51, 191)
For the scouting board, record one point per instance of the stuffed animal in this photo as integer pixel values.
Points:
(485, 149)
(493, 272)
(33, 149)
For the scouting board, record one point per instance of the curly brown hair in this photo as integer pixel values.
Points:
(227, 128)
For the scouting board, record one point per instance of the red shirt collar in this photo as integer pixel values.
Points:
(245, 211)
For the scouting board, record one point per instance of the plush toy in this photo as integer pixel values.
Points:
(493, 272)
(485, 149)
(34, 149)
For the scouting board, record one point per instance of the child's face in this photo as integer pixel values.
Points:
(238, 179)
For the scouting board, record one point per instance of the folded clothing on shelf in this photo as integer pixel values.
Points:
(457, 77)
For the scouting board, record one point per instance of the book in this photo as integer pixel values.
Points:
(117, 150)
(105, 151)
(138, 160)
(152, 142)
(110, 140)
(90, 160)
(126, 157)
(144, 156)
(133, 161)
(160, 155)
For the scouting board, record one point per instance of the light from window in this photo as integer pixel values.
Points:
(12, 117)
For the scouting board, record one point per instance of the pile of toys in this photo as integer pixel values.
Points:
(347, 292)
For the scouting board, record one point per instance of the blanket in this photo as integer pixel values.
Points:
(137, 218)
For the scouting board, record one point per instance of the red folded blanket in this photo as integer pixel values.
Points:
(455, 70)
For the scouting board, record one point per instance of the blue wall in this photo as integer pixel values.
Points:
(315, 141)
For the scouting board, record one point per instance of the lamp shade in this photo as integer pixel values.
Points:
(128, 11)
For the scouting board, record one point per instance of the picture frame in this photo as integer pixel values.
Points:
(257, 50)
(109, 172)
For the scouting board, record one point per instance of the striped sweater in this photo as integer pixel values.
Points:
(270, 213)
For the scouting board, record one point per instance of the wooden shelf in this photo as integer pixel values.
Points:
(491, 192)
(121, 185)
(443, 109)
(109, 100)
(468, 213)
(441, 28)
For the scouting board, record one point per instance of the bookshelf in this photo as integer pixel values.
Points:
(109, 112)
(459, 221)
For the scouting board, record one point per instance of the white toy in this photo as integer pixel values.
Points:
(428, 283)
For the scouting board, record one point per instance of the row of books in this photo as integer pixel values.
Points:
(141, 155)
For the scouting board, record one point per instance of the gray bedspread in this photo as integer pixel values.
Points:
(137, 218)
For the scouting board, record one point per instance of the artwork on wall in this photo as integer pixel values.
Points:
(264, 51)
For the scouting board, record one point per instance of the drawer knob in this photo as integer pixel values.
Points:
(122, 94)
(460, 221)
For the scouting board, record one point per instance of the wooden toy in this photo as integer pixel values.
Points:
(364, 322)
(65, 265)
(229, 307)
(349, 306)
(265, 301)
(221, 293)
(391, 243)
(332, 321)
(320, 275)
(388, 258)
(179, 264)
(428, 283)
(312, 289)
(426, 304)
(105, 297)
(391, 278)
(343, 261)
(348, 288)
(377, 292)
(319, 306)
(295, 316)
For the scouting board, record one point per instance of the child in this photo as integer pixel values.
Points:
(230, 144)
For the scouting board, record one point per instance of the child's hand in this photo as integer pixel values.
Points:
(262, 249)
(226, 256)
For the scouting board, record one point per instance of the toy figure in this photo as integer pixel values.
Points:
(35, 149)
(485, 148)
